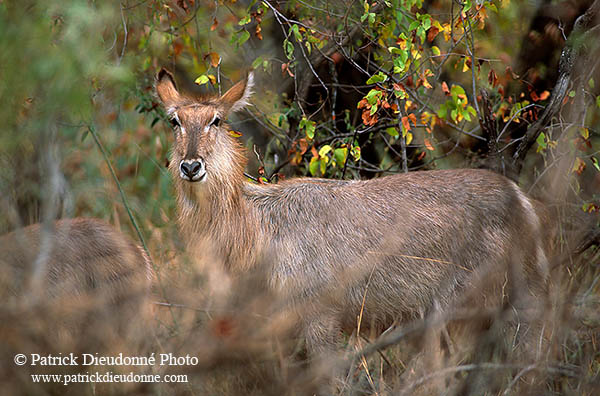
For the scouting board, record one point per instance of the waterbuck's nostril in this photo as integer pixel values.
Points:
(190, 169)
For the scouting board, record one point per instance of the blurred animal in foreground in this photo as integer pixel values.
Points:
(351, 254)
(90, 280)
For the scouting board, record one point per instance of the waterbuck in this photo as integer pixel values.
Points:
(82, 272)
(389, 249)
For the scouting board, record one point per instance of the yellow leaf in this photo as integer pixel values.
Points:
(409, 137)
(578, 166)
(446, 29)
(415, 53)
(465, 66)
(402, 44)
(426, 83)
(235, 134)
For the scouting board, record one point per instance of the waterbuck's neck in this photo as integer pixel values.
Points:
(214, 215)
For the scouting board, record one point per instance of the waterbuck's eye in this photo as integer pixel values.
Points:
(216, 122)
(174, 122)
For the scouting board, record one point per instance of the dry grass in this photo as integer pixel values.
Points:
(246, 342)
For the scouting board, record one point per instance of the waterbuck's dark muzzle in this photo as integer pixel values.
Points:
(192, 170)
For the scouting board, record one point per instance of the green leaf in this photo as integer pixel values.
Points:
(457, 90)
(242, 37)
(313, 166)
(421, 33)
(442, 111)
(297, 34)
(595, 163)
(435, 50)
(466, 115)
(467, 6)
(203, 79)
(244, 21)
(288, 47)
(571, 94)
(592, 83)
(372, 96)
(377, 78)
(541, 141)
(340, 155)
(257, 62)
(392, 132)
(598, 100)
(454, 114)
(309, 127)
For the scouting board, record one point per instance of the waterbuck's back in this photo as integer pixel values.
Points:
(403, 243)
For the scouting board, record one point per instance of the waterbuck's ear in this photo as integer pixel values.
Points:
(238, 96)
(166, 88)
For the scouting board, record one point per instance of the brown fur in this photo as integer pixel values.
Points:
(78, 268)
(403, 244)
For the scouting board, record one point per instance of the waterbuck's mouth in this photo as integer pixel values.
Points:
(195, 178)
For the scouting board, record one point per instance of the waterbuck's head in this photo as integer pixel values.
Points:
(204, 148)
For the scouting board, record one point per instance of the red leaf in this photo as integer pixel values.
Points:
(223, 327)
(433, 31)
(405, 123)
(493, 78)
(510, 73)
(445, 88)
(428, 145)
(303, 145)
(258, 32)
(413, 118)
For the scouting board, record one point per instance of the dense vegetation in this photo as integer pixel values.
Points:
(345, 89)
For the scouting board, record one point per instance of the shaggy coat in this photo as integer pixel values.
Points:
(391, 248)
